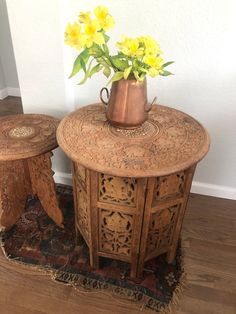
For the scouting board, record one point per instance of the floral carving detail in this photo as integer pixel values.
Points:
(169, 187)
(172, 141)
(117, 190)
(26, 135)
(115, 233)
(161, 229)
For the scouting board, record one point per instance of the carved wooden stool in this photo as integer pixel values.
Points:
(131, 186)
(26, 141)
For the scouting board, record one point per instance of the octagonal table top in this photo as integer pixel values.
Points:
(168, 142)
(26, 135)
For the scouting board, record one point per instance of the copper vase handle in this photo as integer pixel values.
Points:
(148, 107)
(101, 96)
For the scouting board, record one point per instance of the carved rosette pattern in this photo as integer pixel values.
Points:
(161, 229)
(170, 141)
(168, 187)
(115, 232)
(26, 135)
(117, 190)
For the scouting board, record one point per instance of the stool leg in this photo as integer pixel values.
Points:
(13, 192)
(44, 186)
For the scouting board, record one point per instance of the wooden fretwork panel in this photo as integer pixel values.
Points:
(116, 190)
(161, 229)
(168, 187)
(115, 232)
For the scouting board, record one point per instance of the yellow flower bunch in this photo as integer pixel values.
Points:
(136, 57)
(146, 50)
(88, 31)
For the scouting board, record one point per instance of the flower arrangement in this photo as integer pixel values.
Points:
(135, 58)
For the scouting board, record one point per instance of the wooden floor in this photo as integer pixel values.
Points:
(10, 105)
(209, 237)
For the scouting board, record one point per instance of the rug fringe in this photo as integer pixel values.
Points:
(121, 295)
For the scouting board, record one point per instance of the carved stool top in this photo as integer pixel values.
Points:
(168, 142)
(26, 135)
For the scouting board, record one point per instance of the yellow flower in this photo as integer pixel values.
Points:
(151, 46)
(109, 22)
(130, 47)
(84, 17)
(153, 61)
(101, 12)
(106, 20)
(93, 36)
(153, 72)
(74, 37)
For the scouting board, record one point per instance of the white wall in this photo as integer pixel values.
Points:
(197, 34)
(8, 66)
(2, 77)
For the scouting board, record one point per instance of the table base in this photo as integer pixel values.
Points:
(22, 178)
(130, 219)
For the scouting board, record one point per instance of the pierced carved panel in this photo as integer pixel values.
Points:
(169, 187)
(117, 190)
(161, 228)
(115, 232)
(82, 212)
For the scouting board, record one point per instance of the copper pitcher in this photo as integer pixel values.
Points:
(127, 105)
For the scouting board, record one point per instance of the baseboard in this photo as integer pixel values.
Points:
(9, 91)
(13, 91)
(63, 178)
(221, 191)
(197, 187)
(3, 93)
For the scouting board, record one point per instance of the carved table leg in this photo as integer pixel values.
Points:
(93, 196)
(145, 227)
(44, 187)
(172, 252)
(14, 188)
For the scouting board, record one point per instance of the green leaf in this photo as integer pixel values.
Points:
(105, 48)
(120, 64)
(77, 64)
(127, 72)
(106, 37)
(167, 63)
(143, 70)
(86, 76)
(166, 73)
(96, 51)
(142, 76)
(83, 65)
(116, 77)
(136, 75)
(95, 69)
(107, 71)
(104, 62)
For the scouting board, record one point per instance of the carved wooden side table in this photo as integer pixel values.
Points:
(26, 141)
(131, 186)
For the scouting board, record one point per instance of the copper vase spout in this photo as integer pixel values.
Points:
(127, 104)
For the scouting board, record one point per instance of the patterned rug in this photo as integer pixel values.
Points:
(36, 241)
